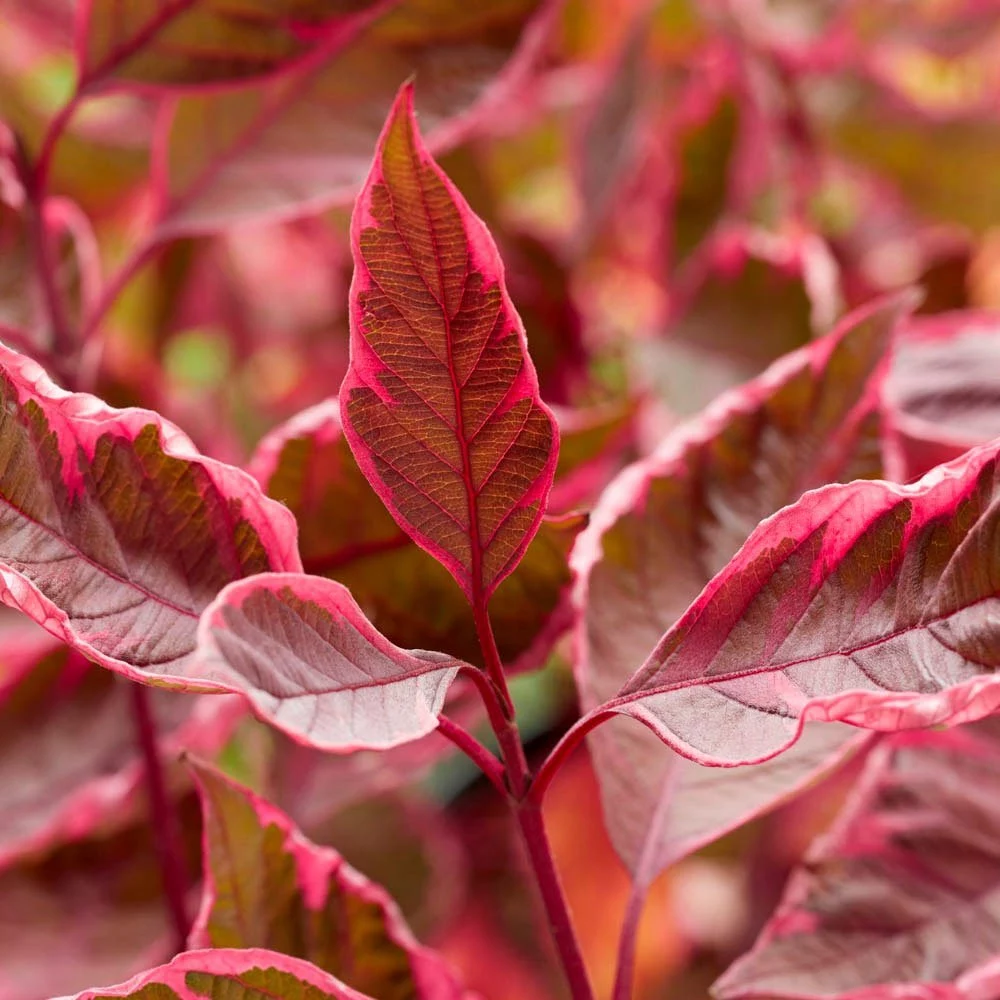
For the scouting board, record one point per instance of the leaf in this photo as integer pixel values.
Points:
(668, 523)
(304, 139)
(115, 532)
(233, 974)
(869, 603)
(266, 886)
(440, 403)
(788, 284)
(944, 389)
(347, 535)
(310, 663)
(100, 897)
(69, 756)
(205, 41)
(900, 897)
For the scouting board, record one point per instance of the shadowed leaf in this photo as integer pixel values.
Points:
(206, 41)
(900, 898)
(440, 404)
(266, 886)
(304, 138)
(69, 756)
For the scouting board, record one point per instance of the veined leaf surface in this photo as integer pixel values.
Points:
(667, 524)
(266, 886)
(869, 603)
(346, 534)
(440, 404)
(310, 663)
(114, 532)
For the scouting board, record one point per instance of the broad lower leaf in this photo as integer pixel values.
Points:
(869, 603)
(205, 41)
(115, 532)
(69, 753)
(944, 389)
(346, 534)
(669, 523)
(901, 897)
(304, 138)
(99, 896)
(232, 974)
(266, 886)
(310, 663)
(440, 404)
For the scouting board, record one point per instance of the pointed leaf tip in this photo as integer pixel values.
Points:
(440, 404)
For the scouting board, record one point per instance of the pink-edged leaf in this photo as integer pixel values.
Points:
(900, 898)
(115, 533)
(440, 404)
(869, 603)
(671, 521)
(99, 896)
(346, 534)
(198, 42)
(304, 139)
(266, 886)
(69, 757)
(310, 663)
(230, 973)
(943, 391)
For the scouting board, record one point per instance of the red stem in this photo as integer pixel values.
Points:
(109, 295)
(166, 834)
(569, 742)
(475, 751)
(527, 809)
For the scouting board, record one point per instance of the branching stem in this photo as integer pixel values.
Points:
(527, 809)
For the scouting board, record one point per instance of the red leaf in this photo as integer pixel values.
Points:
(900, 898)
(346, 534)
(944, 389)
(235, 974)
(668, 523)
(303, 139)
(311, 664)
(100, 896)
(115, 532)
(203, 41)
(870, 603)
(440, 404)
(266, 886)
(69, 759)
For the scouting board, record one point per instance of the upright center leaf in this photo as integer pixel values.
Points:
(440, 404)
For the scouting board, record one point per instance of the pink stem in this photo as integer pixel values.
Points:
(528, 812)
(475, 751)
(569, 742)
(113, 289)
(166, 834)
